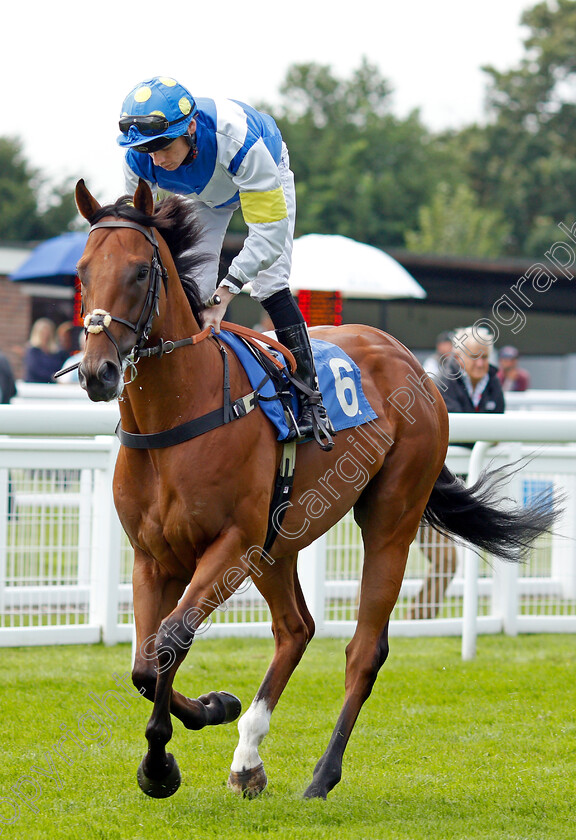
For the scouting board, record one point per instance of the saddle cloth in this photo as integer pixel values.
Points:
(338, 376)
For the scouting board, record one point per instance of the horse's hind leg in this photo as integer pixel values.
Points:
(387, 535)
(328, 770)
(293, 627)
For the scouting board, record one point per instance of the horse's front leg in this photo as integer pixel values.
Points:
(293, 627)
(155, 595)
(215, 579)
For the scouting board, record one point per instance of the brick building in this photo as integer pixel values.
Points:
(22, 303)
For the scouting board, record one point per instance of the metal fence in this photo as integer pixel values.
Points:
(65, 564)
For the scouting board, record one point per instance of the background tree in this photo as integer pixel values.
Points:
(523, 161)
(454, 223)
(365, 173)
(360, 171)
(21, 217)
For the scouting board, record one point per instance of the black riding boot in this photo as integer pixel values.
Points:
(313, 422)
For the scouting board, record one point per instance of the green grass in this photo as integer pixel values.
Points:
(443, 748)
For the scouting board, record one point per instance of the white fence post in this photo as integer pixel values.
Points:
(505, 585)
(105, 565)
(4, 512)
(312, 574)
(472, 566)
(564, 551)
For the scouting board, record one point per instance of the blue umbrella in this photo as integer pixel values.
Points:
(54, 261)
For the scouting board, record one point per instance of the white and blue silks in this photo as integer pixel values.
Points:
(241, 162)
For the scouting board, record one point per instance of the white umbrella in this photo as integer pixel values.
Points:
(331, 263)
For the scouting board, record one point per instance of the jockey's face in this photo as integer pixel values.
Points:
(172, 156)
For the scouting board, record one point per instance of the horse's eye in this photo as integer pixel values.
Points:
(143, 272)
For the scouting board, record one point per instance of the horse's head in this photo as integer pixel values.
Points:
(120, 274)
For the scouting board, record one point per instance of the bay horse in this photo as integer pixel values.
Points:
(196, 512)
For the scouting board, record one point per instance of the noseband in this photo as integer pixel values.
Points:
(99, 320)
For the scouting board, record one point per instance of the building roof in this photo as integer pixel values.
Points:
(12, 255)
(534, 283)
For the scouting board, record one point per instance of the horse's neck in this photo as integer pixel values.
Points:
(179, 385)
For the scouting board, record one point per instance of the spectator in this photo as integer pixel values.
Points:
(7, 381)
(43, 356)
(71, 378)
(443, 351)
(512, 377)
(469, 384)
(66, 336)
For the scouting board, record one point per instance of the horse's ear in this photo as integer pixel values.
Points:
(85, 201)
(143, 198)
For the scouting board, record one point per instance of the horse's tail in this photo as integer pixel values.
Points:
(474, 514)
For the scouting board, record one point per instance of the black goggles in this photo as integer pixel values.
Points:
(149, 124)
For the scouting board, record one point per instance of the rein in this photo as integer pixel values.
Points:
(253, 337)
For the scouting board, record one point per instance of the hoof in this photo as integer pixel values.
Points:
(232, 706)
(164, 787)
(221, 707)
(249, 783)
(314, 791)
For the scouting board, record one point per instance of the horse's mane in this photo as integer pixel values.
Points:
(175, 220)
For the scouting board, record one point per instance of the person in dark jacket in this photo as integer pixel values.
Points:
(7, 382)
(43, 357)
(469, 384)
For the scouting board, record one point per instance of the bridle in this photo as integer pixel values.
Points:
(99, 320)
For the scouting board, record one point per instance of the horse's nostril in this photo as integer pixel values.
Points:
(108, 373)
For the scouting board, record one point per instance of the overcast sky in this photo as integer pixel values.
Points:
(67, 65)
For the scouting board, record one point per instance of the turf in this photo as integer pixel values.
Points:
(443, 748)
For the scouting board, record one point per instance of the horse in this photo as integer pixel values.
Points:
(196, 508)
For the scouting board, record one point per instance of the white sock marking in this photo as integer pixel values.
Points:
(253, 726)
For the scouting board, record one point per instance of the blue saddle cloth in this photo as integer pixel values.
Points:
(338, 376)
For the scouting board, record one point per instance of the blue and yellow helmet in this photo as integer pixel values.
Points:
(155, 110)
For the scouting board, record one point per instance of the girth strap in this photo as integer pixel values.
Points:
(191, 429)
(199, 425)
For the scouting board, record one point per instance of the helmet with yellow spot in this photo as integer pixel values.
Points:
(154, 113)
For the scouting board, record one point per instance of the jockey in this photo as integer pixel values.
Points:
(225, 155)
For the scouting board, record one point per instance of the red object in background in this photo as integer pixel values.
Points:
(78, 321)
(321, 308)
